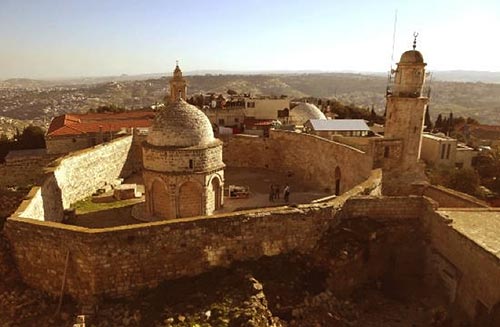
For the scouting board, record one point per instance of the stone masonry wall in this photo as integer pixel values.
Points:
(75, 177)
(384, 208)
(470, 273)
(447, 198)
(82, 173)
(313, 159)
(119, 261)
(116, 262)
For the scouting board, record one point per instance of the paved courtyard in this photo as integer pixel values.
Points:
(257, 180)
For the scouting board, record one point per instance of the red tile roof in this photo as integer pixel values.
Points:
(78, 124)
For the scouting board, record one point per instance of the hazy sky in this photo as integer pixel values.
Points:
(66, 38)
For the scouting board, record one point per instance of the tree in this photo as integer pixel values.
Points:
(33, 137)
(464, 180)
(373, 115)
(428, 121)
(449, 126)
(439, 121)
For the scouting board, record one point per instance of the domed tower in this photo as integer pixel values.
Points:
(178, 85)
(405, 121)
(183, 168)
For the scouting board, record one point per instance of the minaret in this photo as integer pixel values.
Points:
(178, 85)
(405, 121)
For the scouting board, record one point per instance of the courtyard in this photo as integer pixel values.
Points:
(257, 181)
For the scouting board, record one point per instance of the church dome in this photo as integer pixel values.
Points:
(303, 112)
(412, 57)
(181, 125)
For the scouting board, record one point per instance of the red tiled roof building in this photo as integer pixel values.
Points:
(71, 132)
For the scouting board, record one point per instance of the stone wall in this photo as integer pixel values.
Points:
(386, 208)
(75, 177)
(120, 261)
(311, 158)
(386, 248)
(116, 262)
(82, 173)
(447, 198)
(189, 159)
(470, 272)
(66, 144)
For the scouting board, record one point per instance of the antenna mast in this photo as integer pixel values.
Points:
(389, 75)
(394, 35)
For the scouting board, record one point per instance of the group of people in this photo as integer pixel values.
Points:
(275, 190)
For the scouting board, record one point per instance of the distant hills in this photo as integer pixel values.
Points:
(467, 95)
(445, 75)
(467, 76)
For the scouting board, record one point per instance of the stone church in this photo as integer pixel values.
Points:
(183, 168)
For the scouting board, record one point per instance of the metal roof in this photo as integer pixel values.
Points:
(338, 125)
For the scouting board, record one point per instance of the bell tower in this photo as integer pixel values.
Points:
(406, 106)
(178, 85)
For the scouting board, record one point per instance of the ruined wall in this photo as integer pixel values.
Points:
(447, 198)
(469, 271)
(312, 159)
(378, 241)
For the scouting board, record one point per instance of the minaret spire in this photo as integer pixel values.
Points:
(178, 85)
(415, 35)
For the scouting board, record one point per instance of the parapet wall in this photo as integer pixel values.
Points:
(447, 198)
(75, 177)
(311, 158)
(387, 208)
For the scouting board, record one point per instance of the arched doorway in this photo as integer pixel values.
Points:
(160, 201)
(190, 199)
(216, 190)
(337, 180)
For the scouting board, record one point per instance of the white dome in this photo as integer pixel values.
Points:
(181, 125)
(303, 112)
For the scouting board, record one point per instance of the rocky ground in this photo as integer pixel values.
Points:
(284, 291)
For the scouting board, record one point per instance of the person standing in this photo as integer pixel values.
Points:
(277, 192)
(286, 193)
(271, 193)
